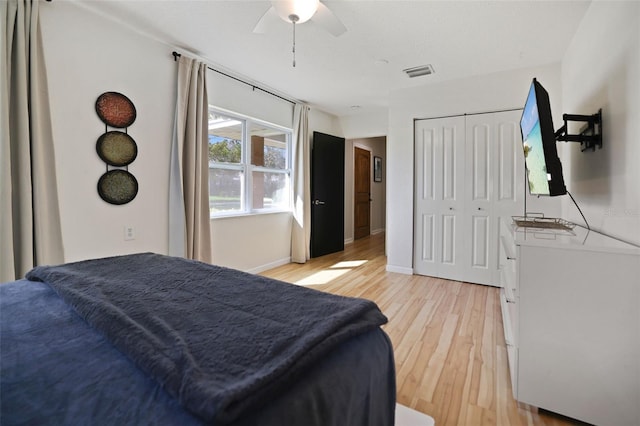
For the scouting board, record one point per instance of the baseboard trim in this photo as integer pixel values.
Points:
(377, 231)
(270, 265)
(348, 241)
(399, 269)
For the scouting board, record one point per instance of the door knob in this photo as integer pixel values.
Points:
(318, 202)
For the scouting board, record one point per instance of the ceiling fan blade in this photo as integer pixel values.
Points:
(326, 19)
(268, 20)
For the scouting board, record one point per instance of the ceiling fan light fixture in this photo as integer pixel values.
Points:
(296, 11)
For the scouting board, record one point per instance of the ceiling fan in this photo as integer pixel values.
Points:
(297, 12)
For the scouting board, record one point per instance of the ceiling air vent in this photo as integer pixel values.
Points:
(418, 71)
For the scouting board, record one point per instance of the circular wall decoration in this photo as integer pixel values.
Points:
(116, 148)
(115, 109)
(117, 187)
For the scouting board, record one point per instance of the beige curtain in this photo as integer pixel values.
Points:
(189, 222)
(30, 232)
(301, 185)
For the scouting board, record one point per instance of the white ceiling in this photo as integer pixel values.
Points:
(359, 68)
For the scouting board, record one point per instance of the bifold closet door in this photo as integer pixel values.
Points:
(439, 201)
(494, 189)
(468, 178)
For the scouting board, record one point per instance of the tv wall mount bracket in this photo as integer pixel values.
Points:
(590, 135)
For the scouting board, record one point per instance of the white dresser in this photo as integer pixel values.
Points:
(571, 314)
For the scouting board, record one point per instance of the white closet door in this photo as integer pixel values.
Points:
(478, 209)
(469, 178)
(508, 184)
(494, 189)
(439, 165)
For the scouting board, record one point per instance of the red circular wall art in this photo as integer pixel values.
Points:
(115, 110)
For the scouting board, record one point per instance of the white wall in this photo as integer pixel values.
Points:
(366, 124)
(231, 95)
(252, 244)
(601, 69)
(499, 91)
(320, 121)
(87, 54)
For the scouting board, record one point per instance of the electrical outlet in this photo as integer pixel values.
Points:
(129, 233)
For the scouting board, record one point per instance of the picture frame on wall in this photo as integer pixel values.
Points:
(377, 169)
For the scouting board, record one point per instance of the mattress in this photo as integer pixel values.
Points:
(55, 368)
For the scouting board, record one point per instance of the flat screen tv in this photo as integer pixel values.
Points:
(544, 170)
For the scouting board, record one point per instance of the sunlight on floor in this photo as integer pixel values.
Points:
(327, 275)
(322, 277)
(349, 264)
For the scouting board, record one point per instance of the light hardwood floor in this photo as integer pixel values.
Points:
(451, 358)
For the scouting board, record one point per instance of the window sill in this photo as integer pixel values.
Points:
(249, 214)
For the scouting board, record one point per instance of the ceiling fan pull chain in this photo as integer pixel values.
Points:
(294, 43)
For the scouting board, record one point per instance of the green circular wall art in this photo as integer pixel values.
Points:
(117, 187)
(117, 148)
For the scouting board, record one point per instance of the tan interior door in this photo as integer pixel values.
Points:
(362, 193)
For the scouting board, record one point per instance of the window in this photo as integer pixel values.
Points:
(248, 165)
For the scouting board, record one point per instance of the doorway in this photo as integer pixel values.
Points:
(372, 198)
(362, 193)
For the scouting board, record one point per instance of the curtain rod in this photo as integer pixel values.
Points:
(468, 114)
(176, 55)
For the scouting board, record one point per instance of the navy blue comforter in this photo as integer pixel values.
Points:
(208, 344)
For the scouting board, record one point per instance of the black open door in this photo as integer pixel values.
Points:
(327, 194)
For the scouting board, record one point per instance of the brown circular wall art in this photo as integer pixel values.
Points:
(115, 110)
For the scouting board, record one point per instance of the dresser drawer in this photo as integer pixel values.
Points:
(508, 280)
(509, 319)
(508, 266)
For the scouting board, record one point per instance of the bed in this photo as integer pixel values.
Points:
(153, 339)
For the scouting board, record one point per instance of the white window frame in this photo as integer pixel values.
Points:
(246, 168)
